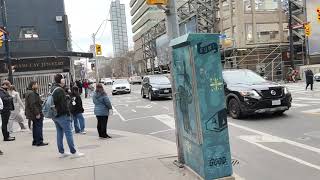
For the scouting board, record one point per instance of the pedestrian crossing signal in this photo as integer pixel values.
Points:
(98, 50)
(307, 29)
(157, 2)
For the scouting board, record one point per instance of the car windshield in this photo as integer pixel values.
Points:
(121, 81)
(159, 80)
(242, 77)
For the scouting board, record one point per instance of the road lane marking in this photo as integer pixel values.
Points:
(154, 103)
(299, 105)
(158, 132)
(117, 113)
(133, 110)
(166, 108)
(285, 155)
(147, 117)
(145, 107)
(307, 99)
(293, 143)
(167, 120)
(312, 111)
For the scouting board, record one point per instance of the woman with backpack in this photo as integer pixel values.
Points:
(102, 106)
(15, 115)
(76, 110)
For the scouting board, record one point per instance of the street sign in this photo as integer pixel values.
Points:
(157, 2)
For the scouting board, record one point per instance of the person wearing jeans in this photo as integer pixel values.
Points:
(33, 111)
(63, 120)
(63, 126)
(76, 109)
(102, 106)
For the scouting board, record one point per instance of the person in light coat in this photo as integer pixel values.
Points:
(16, 113)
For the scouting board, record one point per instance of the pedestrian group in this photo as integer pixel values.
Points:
(66, 109)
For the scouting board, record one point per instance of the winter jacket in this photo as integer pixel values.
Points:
(61, 101)
(18, 104)
(102, 104)
(33, 105)
(7, 101)
(76, 104)
(309, 76)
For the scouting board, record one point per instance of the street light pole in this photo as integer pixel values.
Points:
(7, 58)
(95, 55)
(173, 32)
(291, 35)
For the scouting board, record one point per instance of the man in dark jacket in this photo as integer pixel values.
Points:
(63, 120)
(33, 104)
(309, 79)
(7, 108)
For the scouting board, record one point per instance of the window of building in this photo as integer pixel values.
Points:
(268, 33)
(249, 34)
(261, 5)
(28, 33)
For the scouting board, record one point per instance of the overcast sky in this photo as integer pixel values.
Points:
(85, 17)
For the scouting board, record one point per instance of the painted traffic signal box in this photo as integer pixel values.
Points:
(200, 102)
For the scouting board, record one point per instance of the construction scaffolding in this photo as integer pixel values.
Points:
(259, 44)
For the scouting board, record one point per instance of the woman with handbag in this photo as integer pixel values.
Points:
(102, 106)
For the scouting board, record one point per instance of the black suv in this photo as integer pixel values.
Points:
(156, 86)
(248, 93)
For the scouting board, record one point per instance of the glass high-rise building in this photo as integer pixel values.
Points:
(119, 28)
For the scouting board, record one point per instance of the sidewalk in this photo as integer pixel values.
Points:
(126, 156)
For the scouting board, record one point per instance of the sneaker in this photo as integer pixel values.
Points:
(83, 132)
(64, 155)
(77, 155)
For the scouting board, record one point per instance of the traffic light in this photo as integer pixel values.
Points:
(318, 13)
(98, 50)
(307, 29)
(157, 2)
(2, 37)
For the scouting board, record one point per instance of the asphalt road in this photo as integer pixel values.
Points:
(265, 147)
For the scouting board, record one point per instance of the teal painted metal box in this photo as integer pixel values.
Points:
(200, 102)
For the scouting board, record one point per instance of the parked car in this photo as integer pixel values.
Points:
(107, 81)
(248, 93)
(156, 86)
(317, 77)
(121, 86)
(135, 80)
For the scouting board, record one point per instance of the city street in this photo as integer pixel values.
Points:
(263, 147)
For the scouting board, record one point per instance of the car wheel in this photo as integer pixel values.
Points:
(150, 96)
(142, 94)
(279, 113)
(234, 109)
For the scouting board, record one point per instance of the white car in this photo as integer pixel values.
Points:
(121, 86)
(317, 77)
(107, 81)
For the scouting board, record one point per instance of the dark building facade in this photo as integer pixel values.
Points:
(40, 43)
(37, 28)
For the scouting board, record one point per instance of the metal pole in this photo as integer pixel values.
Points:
(173, 32)
(95, 57)
(7, 58)
(291, 35)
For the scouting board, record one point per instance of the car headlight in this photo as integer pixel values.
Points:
(252, 94)
(155, 89)
(286, 90)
